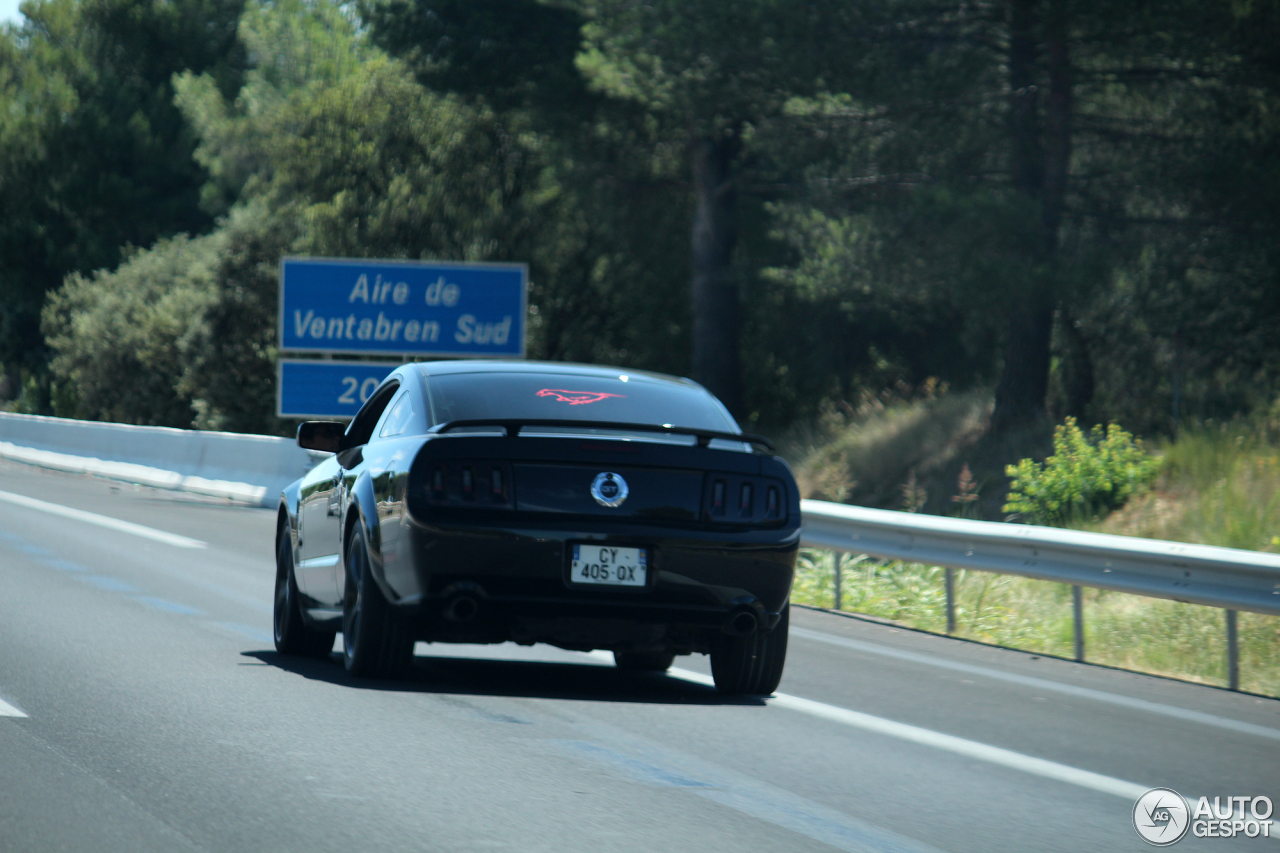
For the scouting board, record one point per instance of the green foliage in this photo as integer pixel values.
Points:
(382, 167)
(295, 49)
(881, 237)
(512, 53)
(999, 609)
(230, 375)
(711, 65)
(1085, 475)
(1219, 484)
(123, 338)
(94, 156)
(607, 219)
(346, 157)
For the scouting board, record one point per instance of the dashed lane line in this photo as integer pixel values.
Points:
(102, 521)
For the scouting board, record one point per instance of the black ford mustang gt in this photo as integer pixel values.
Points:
(585, 507)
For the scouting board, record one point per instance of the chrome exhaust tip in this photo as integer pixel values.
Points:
(462, 608)
(742, 624)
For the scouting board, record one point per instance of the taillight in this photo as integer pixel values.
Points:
(469, 482)
(743, 500)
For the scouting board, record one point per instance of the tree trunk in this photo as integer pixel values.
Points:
(1039, 173)
(1077, 367)
(1024, 100)
(716, 314)
(1057, 135)
(1024, 380)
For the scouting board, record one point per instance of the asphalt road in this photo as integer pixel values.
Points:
(142, 708)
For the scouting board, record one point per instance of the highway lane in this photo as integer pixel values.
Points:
(159, 718)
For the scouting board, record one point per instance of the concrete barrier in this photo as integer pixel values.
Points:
(247, 468)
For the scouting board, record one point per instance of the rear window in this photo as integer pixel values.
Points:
(551, 396)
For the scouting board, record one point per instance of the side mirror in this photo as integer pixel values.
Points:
(321, 435)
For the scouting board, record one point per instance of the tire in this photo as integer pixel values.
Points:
(376, 642)
(293, 635)
(751, 664)
(644, 661)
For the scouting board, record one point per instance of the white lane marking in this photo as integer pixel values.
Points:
(1043, 684)
(7, 710)
(948, 743)
(103, 521)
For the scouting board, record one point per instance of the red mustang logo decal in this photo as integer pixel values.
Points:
(576, 398)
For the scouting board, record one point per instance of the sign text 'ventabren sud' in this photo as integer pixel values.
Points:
(365, 307)
(383, 328)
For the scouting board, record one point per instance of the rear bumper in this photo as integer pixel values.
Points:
(518, 581)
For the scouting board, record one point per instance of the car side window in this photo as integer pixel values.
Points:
(361, 429)
(399, 417)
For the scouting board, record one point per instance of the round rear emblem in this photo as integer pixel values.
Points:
(609, 489)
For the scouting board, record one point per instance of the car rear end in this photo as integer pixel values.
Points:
(591, 536)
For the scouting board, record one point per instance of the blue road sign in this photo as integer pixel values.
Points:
(398, 307)
(327, 389)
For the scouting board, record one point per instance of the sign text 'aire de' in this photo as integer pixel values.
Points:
(402, 308)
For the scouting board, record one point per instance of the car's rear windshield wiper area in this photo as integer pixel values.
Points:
(704, 437)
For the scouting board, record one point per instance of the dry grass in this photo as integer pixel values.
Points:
(893, 452)
(1219, 485)
(1167, 638)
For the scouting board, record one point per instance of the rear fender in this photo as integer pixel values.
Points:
(287, 515)
(362, 510)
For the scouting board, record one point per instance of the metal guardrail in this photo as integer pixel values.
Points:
(1228, 578)
(1200, 574)
(248, 468)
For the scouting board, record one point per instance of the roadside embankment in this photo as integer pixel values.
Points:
(245, 468)
(1219, 484)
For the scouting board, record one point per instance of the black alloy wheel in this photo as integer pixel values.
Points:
(644, 661)
(751, 664)
(375, 639)
(293, 635)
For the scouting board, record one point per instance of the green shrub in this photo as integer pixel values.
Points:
(1086, 476)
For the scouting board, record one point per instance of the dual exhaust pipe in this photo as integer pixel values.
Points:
(741, 623)
(461, 608)
(462, 601)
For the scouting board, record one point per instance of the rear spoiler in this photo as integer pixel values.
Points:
(513, 428)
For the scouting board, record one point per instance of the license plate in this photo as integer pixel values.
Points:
(607, 565)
